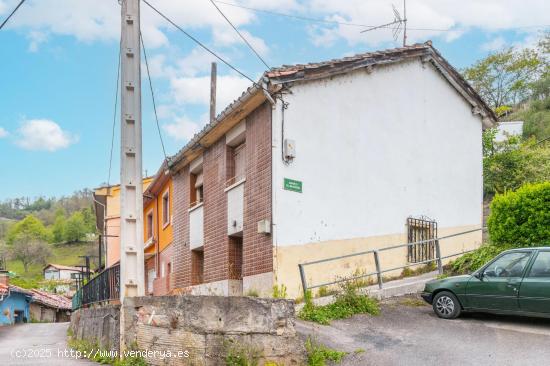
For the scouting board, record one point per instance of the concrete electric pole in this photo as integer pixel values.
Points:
(131, 191)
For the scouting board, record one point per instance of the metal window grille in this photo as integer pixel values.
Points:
(421, 230)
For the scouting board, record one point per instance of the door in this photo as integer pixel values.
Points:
(498, 286)
(534, 293)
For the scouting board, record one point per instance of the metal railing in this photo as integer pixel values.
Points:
(379, 271)
(105, 287)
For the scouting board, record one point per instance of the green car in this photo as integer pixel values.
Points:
(517, 282)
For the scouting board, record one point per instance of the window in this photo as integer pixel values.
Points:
(165, 208)
(149, 225)
(197, 190)
(421, 230)
(74, 276)
(236, 165)
(509, 265)
(169, 268)
(197, 266)
(541, 266)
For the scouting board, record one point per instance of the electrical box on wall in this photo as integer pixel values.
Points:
(289, 149)
(264, 227)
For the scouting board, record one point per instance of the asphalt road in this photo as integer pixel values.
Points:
(409, 333)
(37, 344)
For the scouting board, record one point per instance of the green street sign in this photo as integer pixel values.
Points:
(293, 185)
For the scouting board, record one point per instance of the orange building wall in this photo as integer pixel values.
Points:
(161, 233)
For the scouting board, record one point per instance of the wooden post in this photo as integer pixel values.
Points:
(213, 77)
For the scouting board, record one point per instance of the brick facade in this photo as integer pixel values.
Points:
(257, 248)
(181, 262)
(223, 255)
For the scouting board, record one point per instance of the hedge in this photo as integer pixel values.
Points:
(521, 218)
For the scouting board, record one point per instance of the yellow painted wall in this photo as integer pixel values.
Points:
(112, 220)
(287, 258)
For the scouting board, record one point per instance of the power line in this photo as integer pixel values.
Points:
(11, 14)
(201, 44)
(240, 35)
(318, 20)
(153, 96)
(114, 114)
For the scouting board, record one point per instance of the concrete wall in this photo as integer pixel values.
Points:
(97, 325)
(372, 150)
(205, 327)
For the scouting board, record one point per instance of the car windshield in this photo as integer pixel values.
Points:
(509, 265)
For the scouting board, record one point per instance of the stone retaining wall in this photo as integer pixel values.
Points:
(203, 329)
(99, 325)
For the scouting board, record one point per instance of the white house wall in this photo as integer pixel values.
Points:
(371, 150)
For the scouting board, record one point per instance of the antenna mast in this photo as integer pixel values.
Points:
(398, 21)
(404, 23)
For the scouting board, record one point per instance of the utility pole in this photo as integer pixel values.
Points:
(131, 190)
(131, 181)
(213, 80)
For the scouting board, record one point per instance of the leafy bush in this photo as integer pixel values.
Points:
(510, 164)
(521, 218)
(348, 302)
(317, 354)
(471, 261)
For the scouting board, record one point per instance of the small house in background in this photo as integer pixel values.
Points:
(61, 272)
(507, 129)
(64, 277)
(49, 308)
(14, 302)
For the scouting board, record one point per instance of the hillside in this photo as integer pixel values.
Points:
(67, 254)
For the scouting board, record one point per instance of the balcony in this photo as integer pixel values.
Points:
(196, 226)
(235, 208)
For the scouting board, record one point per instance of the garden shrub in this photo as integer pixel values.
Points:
(521, 218)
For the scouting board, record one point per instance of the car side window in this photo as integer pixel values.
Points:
(541, 266)
(509, 265)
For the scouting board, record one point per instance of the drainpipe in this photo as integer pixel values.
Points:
(104, 234)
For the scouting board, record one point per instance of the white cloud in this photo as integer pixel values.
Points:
(44, 135)
(182, 128)
(196, 90)
(3, 132)
(430, 15)
(100, 20)
(495, 44)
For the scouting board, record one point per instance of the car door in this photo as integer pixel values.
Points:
(497, 286)
(534, 293)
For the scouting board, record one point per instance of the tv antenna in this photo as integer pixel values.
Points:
(399, 22)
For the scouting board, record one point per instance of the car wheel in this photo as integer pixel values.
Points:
(446, 305)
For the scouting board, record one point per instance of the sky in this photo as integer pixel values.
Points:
(59, 61)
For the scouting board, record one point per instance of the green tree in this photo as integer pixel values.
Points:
(75, 228)
(29, 227)
(504, 78)
(89, 219)
(29, 250)
(58, 229)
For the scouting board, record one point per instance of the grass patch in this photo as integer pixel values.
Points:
(279, 292)
(241, 355)
(413, 302)
(318, 355)
(92, 352)
(348, 302)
